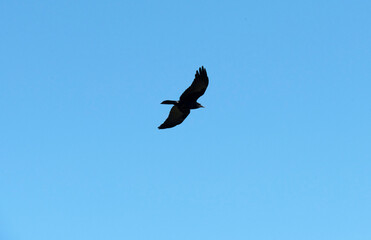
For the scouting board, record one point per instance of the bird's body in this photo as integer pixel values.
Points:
(189, 105)
(187, 101)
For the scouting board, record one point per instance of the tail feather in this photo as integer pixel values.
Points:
(169, 102)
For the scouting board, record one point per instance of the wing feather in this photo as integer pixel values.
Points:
(176, 117)
(197, 88)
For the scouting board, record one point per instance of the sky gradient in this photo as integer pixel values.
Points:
(281, 151)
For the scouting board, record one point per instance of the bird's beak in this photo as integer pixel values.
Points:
(202, 106)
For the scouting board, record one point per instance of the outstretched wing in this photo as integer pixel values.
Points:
(198, 87)
(176, 116)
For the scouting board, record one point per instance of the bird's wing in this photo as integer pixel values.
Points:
(198, 87)
(176, 116)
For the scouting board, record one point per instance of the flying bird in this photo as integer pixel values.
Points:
(187, 101)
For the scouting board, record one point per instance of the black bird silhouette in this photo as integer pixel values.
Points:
(187, 101)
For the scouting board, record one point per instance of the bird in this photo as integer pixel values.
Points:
(187, 101)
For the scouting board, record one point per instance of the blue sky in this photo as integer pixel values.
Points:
(281, 151)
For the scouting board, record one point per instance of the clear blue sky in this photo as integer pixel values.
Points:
(281, 151)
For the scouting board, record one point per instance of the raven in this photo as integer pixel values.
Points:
(187, 101)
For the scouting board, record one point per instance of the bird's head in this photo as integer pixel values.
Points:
(200, 106)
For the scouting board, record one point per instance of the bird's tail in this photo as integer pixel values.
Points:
(169, 102)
